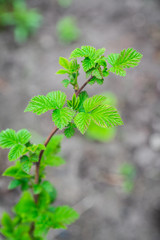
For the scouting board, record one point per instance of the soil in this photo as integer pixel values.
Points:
(90, 180)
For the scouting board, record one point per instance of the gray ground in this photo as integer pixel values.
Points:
(107, 213)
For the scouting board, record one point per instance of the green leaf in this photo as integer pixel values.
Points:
(53, 147)
(92, 81)
(16, 172)
(26, 207)
(101, 62)
(105, 72)
(39, 104)
(74, 66)
(62, 71)
(47, 186)
(106, 116)
(7, 226)
(118, 70)
(85, 51)
(82, 121)
(65, 83)
(64, 215)
(54, 161)
(99, 52)
(23, 136)
(126, 59)
(43, 200)
(93, 102)
(88, 51)
(77, 53)
(15, 152)
(26, 164)
(97, 73)
(34, 148)
(62, 117)
(87, 64)
(69, 130)
(82, 96)
(42, 225)
(99, 81)
(64, 62)
(25, 184)
(6, 222)
(37, 188)
(112, 58)
(8, 138)
(89, 72)
(74, 103)
(13, 184)
(57, 98)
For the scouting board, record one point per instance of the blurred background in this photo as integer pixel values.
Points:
(112, 178)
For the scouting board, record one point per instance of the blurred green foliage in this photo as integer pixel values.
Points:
(101, 134)
(65, 3)
(128, 171)
(15, 13)
(67, 30)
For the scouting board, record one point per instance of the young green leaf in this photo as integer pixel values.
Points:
(7, 223)
(37, 188)
(52, 148)
(16, 172)
(74, 103)
(39, 104)
(62, 117)
(34, 148)
(77, 53)
(88, 51)
(13, 184)
(126, 59)
(8, 138)
(66, 82)
(26, 164)
(43, 200)
(64, 62)
(74, 66)
(101, 62)
(87, 64)
(54, 161)
(23, 136)
(69, 130)
(106, 116)
(15, 152)
(82, 121)
(82, 97)
(93, 102)
(64, 215)
(99, 52)
(98, 81)
(97, 73)
(57, 98)
(85, 51)
(26, 207)
(62, 71)
(47, 186)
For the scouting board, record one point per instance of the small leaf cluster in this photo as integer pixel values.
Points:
(26, 211)
(35, 214)
(16, 13)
